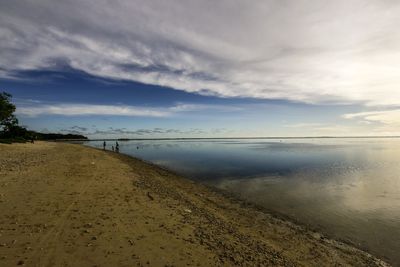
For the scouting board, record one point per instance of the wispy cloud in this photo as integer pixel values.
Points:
(79, 128)
(311, 51)
(380, 122)
(116, 132)
(391, 117)
(304, 125)
(34, 109)
(146, 132)
(88, 109)
(184, 107)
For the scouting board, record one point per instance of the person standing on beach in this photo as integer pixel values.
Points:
(104, 145)
(116, 147)
(112, 148)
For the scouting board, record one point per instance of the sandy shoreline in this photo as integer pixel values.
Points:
(70, 205)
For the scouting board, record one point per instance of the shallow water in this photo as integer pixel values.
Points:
(346, 188)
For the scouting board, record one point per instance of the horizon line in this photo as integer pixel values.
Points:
(222, 138)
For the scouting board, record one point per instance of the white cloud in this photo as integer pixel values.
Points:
(391, 117)
(32, 108)
(304, 125)
(88, 109)
(185, 107)
(311, 51)
(384, 122)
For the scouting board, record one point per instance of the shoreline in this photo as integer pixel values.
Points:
(248, 204)
(251, 205)
(74, 205)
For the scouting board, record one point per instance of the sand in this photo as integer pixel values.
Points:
(70, 205)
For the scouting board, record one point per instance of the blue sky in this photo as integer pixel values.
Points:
(177, 113)
(203, 69)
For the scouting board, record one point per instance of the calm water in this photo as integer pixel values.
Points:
(346, 188)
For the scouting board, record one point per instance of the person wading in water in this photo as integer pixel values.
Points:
(104, 145)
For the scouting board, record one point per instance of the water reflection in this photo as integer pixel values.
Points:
(348, 188)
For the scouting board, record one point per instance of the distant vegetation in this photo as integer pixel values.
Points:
(58, 136)
(11, 132)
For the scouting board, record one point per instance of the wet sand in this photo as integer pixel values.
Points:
(70, 205)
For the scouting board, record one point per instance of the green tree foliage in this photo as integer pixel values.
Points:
(9, 128)
(7, 109)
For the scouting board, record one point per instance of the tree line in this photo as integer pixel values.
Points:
(11, 131)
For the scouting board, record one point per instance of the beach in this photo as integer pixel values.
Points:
(70, 205)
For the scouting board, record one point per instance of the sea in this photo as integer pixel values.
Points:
(345, 188)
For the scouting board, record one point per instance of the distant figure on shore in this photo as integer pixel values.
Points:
(116, 147)
(32, 140)
(104, 145)
(112, 148)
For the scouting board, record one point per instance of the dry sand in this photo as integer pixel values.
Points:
(70, 205)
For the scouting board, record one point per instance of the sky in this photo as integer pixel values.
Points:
(144, 69)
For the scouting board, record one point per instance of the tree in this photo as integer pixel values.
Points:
(7, 118)
(10, 131)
